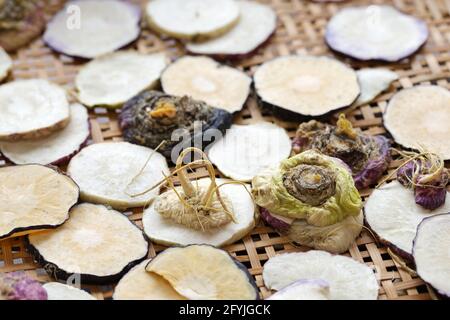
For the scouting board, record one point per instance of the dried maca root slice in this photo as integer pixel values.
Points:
(195, 20)
(256, 24)
(204, 272)
(96, 243)
(107, 173)
(373, 81)
(294, 86)
(367, 156)
(32, 198)
(419, 117)
(204, 79)
(375, 33)
(5, 64)
(348, 279)
(32, 109)
(247, 149)
(152, 117)
(139, 284)
(197, 212)
(430, 253)
(112, 79)
(18, 286)
(93, 28)
(55, 149)
(21, 21)
(60, 291)
(304, 289)
(392, 213)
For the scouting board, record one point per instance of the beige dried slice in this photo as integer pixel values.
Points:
(139, 284)
(204, 79)
(195, 20)
(306, 85)
(60, 291)
(112, 79)
(373, 81)
(419, 117)
(204, 272)
(5, 64)
(32, 198)
(32, 109)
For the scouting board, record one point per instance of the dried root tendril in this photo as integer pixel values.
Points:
(345, 127)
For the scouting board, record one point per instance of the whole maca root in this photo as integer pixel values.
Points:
(367, 156)
(19, 286)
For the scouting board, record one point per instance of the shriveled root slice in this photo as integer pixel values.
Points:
(373, 82)
(139, 284)
(431, 252)
(195, 20)
(34, 197)
(97, 243)
(204, 79)
(110, 173)
(419, 117)
(375, 33)
(5, 64)
(104, 26)
(256, 24)
(200, 272)
(32, 109)
(391, 212)
(247, 149)
(112, 79)
(59, 291)
(309, 289)
(348, 279)
(55, 149)
(305, 85)
(167, 232)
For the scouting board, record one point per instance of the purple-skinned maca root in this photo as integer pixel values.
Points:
(19, 286)
(273, 221)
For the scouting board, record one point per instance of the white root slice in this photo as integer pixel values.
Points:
(202, 272)
(309, 289)
(419, 117)
(112, 79)
(391, 212)
(138, 284)
(375, 32)
(245, 150)
(167, 232)
(306, 85)
(54, 149)
(348, 278)
(5, 64)
(373, 82)
(34, 197)
(90, 28)
(110, 173)
(256, 24)
(60, 291)
(192, 19)
(204, 79)
(32, 109)
(96, 242)
(431, 252)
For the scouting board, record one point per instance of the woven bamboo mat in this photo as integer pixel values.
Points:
(300, 30)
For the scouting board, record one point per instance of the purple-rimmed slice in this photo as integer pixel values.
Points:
(375, 32)
(431, 252)
(90, 28)
(256, 24)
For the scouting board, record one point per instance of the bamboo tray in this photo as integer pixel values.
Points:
(300, 29)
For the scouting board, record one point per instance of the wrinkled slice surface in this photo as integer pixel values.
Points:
(138, 284)
(114, 78)
(34, 197)
(204, 272)
(56, 148)
(60, 291)
(373, 82)
(204, 79)
(309, 289)
(348, 279)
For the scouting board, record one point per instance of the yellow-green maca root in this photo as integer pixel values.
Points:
(308, 186)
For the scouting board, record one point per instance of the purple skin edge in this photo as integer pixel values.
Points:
(277, 224)
(441, 294)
